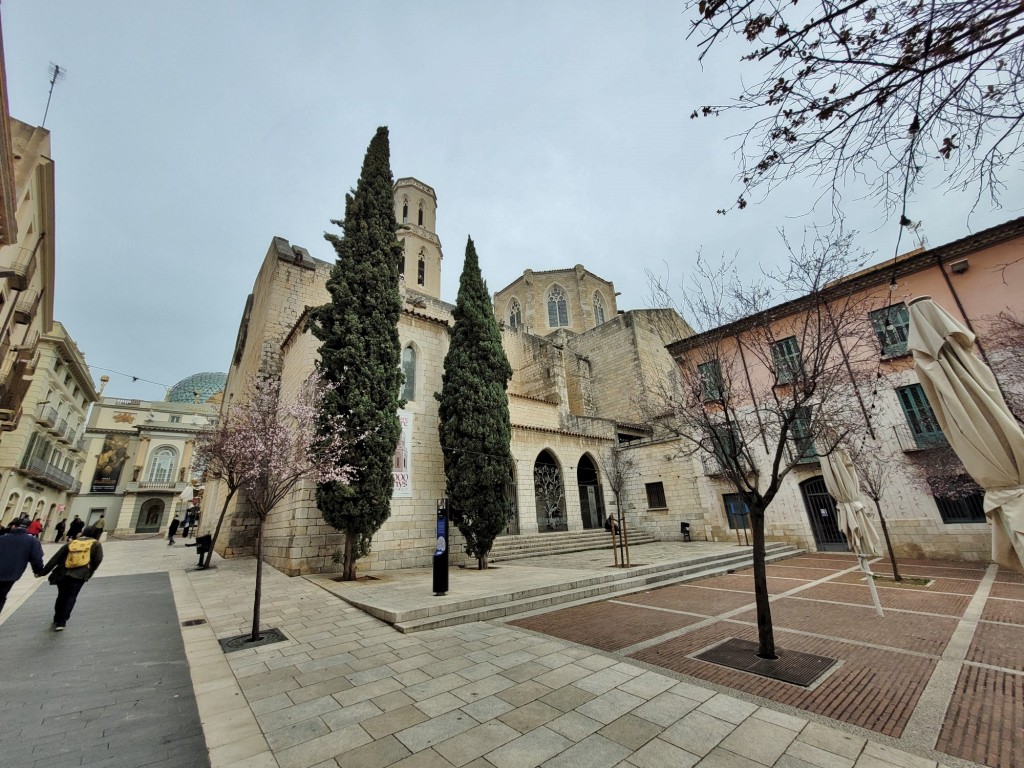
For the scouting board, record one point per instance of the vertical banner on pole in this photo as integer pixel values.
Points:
(441, 552)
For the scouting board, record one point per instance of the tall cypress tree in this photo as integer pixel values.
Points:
(360, 352)
(475, 429)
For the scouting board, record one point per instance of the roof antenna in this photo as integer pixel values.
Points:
(57, 73)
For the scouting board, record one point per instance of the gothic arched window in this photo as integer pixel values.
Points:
(558, 308)
(420, 217)
(405, 211)
(161, 466)
(598, 308)
(421, 272)
(409, 369)
(515, 314)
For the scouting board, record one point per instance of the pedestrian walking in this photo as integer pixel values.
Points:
(99, 525)
(35, 527)
(18, 550)
(186, 525)
(173, 529)
(69, 569)
(75, 528)
(60, 527)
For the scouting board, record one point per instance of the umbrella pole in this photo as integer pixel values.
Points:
(871, 583)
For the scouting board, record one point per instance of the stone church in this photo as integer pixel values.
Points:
(578, 361)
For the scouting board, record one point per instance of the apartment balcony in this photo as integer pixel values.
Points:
(25, 306)
(46, 416)
(48, 474)
(714, 467)
(799, 453)
(149, 486)
(62, 431)
(19, 273)
(911, 441)
(55, 427)
(9, 419)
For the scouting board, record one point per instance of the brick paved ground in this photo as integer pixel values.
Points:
(886, 662)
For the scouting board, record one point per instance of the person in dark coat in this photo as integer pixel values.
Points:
(173, 529)
(59, 528)
(69, 581)
(17, 551)
(75, 527)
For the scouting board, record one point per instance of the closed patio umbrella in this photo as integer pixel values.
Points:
(842, 482)
(973, 415)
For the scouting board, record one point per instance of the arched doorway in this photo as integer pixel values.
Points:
(150, 516)
(821, 510)
(11, 510)
(591, 500)
(549, 491)
(512, 525)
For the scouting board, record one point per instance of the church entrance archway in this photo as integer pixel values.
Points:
(591, 500)
(549, 491)
(150, 516)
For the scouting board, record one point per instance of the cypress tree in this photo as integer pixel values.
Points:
(360, 351)
(475, 429)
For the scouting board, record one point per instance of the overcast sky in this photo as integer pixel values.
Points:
(188, 134)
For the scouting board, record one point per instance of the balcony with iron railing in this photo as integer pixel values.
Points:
(19, 273)
(155, 486)
(62, 430)
(910, 440)
(46, 416)
(49, 474)
(715, 467)
(55, 428)
(25, 306)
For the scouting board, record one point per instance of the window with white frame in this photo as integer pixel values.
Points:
(161, 466)
(558, 308)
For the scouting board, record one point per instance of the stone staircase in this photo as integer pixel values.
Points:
(580, 589)
(556, 543)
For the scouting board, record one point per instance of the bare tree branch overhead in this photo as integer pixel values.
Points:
(873, 91)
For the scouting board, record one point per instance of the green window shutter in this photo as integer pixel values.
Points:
(892, 326)
(786, 356)
(920, 416)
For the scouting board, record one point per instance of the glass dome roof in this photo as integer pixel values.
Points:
(198, 388)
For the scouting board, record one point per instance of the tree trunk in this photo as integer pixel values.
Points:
(481, 563)
(259, 584)
(624, 536)
(349, 571)
(888, 543)
(765, 633)
(220, 522)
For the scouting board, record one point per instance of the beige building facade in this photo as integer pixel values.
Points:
(579, 365)
(40, 460)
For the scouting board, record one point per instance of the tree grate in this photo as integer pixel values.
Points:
(241, 642)
(794, 667)
(193, 622)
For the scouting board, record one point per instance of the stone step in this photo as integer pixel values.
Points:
(581, 590)
(536, 545)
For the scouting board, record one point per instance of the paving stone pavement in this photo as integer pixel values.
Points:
(349, 691)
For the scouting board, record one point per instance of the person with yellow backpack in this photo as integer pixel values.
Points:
(70, 567)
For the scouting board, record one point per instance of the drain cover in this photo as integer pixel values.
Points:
(791, 667)
(193, 622)
(241, 642)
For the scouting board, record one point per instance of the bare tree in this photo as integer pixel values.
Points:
(1005, 341)
(771, 379)
(875, 473)
(847, 90)
(547, 482)
(619, 467)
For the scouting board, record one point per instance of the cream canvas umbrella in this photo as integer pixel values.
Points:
(973, 415)
(842, 483)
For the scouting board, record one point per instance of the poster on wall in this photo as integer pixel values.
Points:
(401, 468)
(109, 464)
